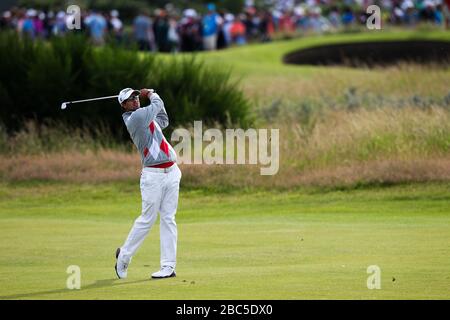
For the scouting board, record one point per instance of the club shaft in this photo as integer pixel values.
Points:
(93, 99)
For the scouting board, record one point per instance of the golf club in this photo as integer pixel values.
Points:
(64, 105)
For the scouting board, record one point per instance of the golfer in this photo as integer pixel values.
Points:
(160, 180)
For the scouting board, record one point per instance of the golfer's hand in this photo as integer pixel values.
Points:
(146, 92)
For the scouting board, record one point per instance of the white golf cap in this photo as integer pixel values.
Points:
(126, 93)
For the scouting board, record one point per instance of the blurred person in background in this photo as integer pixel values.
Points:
(410, 13)
(172, 35)
(6, 20)
(59, 26)
(439, 15)
(334, 17)
(190, 31)
(97, 26)
(427, 11)
(161, 30)
(397, 15)
(228, 22)
(143, 32)
(116, 26)
(210, 25)
(237, 31)
(49, 23)
(318, 23)
(446, 12)
(19, 20)
(266, 28)
(251, 23)
(221, 42)
(28, 27)
(276, 16)
(39, 25)
(348, 18)
(286, 24)
(300, 18)
(362, 15)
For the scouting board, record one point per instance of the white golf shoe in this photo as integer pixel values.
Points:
(165, 272)
(121, 266)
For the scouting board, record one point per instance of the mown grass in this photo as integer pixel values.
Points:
(302, 245)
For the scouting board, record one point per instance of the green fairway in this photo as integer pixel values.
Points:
(265, 78)
(246, 245)
(258, 59)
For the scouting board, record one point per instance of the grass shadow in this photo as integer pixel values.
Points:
(97, 284)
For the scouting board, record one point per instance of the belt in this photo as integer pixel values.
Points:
(162, 165)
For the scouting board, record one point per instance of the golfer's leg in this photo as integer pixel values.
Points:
(151, 190)
(168, 226)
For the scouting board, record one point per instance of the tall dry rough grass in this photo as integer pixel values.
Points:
(400, 81)
(333, 148)
(77, 166)
(342, 137)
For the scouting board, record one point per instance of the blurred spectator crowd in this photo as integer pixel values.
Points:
(170, 29)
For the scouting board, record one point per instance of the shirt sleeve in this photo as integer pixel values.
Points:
(155, 111)
(162, 117)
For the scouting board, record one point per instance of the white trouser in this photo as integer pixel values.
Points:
(159, 190)
(210, 42)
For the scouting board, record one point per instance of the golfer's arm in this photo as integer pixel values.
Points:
(156, 111)
(162, 118)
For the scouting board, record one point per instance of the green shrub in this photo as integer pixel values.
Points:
(36, 77)
(193, 91)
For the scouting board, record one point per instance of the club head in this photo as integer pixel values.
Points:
(63, 105)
